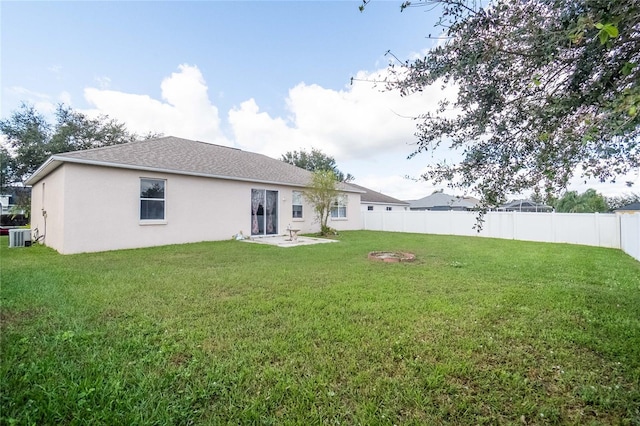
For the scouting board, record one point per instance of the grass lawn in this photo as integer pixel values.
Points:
(476, 331)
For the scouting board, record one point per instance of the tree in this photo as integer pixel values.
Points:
(321, 194)
(546, 89)
(7, 169)
(32, 139)
(315, 160)
(587, 202)
(75, 131)
(28, 134)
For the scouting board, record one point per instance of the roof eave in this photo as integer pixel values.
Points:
(47, 167)
(385, 203)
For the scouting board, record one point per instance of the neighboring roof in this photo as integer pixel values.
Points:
(183, 156)
(373, 197)
(524, 205)
(632, 206)
(440, 199)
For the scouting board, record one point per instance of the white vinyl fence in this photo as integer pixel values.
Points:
(630, 234)
(592, 229)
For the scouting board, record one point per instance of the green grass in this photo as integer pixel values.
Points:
(476, 331)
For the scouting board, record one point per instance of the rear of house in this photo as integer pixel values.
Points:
(371, 200)
(172, 191)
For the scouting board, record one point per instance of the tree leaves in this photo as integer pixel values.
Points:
(545, 88)
(33, 139)
(314, 161)
(321, 194)
(606, 31)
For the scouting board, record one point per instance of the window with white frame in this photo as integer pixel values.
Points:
(296, 205)
(389, 208)
(152, 199)
(370, 208)
(339, 207)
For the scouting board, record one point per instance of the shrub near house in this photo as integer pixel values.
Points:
(10, 221)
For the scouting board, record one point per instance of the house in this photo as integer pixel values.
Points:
(12, 198)
(441, 201)
(11, 214)
(524, 206)
(171, 191)
(376, 201)
(629, 208)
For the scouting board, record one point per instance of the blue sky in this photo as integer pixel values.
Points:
(263, 76)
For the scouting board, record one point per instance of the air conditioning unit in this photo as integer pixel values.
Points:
(19, 237)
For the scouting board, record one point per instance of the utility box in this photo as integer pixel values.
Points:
(19, 237)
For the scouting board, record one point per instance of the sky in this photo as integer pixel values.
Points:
(263, 76)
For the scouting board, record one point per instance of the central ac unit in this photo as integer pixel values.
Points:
(19, 237)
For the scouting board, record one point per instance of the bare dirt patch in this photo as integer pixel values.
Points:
(392, 256)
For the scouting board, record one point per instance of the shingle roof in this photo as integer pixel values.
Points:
(523, 204)
(632, 207)
(370, 196)
(183, 156)
(440, 199)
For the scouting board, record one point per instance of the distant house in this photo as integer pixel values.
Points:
(11, 197)
(524, 206)
(629, 208)
(171, 191)
(11, 215)
(375, 201)
(439, 201)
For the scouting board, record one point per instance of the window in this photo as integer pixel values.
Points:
(370, 208)
(388, 208)
(339, 207)
(296, 201)
(152, 201)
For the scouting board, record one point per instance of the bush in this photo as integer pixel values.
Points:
(13, 220)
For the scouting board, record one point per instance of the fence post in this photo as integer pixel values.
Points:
(619, 224)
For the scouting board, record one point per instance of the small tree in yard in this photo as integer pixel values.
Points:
(321, 194)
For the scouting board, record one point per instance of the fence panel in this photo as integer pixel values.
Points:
(594, 229)
(630, 234)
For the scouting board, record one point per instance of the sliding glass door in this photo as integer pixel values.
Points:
(264, 212)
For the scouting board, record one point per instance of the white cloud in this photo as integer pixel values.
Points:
(103, 82)
(65, 97)
(185, 109)
(55, 69)
(41, 101)
(360, 121)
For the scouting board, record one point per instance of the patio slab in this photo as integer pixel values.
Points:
(285, 241)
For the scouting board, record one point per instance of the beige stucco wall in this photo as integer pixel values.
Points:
(381, 207)
(47, 209)
(100, 209)
(352, 221)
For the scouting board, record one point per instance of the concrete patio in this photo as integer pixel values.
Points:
(286, 241)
